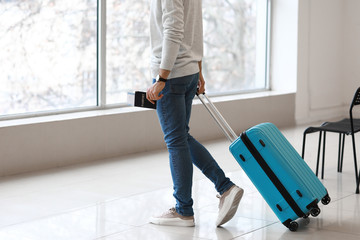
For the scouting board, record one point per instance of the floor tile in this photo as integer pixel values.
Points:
(148, 234)
(341, 216)
(279, 232)
(65, 226)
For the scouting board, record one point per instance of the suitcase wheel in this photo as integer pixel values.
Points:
(326, 200)
(315, 211)
(293, 226)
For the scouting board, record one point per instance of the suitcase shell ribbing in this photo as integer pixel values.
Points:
(290, 171)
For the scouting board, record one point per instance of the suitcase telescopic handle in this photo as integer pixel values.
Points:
(219, 119)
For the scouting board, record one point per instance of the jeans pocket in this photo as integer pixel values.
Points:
(178, 88)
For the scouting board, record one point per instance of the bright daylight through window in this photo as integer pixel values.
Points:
(48, 55)
(49, 51)
(235, 46)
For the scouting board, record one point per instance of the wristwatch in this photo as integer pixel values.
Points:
(160, 79)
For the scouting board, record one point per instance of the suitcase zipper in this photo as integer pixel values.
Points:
(272, 176)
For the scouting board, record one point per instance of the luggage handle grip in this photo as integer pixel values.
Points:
(219, 119)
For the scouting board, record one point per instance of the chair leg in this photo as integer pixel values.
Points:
(342, 152)
(339, 153)
(303, 146)
(355, 163)
(318, 155)
(358, 185)
(323, 157)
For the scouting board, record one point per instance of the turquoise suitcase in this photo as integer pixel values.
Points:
(283, 178)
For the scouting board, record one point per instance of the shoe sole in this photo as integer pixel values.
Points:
(172, 222)
(231, 208)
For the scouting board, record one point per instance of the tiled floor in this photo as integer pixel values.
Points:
(113, 199)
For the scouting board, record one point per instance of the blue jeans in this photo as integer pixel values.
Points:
(174, 111)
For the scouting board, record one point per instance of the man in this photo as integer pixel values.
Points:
(177, 50)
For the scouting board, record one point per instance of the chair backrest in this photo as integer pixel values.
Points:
(356, 99)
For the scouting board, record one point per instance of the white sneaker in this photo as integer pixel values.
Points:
(172, 218)
(228, 205)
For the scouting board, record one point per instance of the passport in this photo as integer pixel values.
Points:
(138, 99)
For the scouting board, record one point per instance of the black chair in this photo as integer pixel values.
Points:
(347, 126)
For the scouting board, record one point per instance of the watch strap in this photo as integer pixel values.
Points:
(160, 79)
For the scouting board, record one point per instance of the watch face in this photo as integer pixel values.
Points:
(159, 79)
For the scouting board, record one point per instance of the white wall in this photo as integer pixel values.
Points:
(328, 58)
(351, 48)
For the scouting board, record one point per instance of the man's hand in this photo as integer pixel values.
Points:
(153, 92)
(201, 84)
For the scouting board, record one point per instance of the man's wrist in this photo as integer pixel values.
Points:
(160, 79)
(164, 73)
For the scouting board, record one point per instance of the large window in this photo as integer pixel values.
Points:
(51, 51)
(235, 40)
(127, 48)
(48, 55)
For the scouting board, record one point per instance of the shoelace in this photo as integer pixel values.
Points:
(172, 210)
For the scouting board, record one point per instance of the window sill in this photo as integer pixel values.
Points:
(124, 110)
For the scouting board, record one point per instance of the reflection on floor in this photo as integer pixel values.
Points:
(113, 199)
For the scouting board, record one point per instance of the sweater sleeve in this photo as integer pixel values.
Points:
(173, 31)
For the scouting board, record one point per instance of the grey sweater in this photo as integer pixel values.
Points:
(176, 34)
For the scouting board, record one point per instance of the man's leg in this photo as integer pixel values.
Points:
(171, 111)
(230, 195)
(208, 166)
